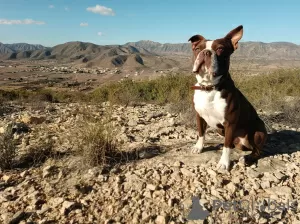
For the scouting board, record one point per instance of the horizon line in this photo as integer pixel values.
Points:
(73, 41)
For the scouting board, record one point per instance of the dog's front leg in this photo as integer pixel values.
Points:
(224, 162)
(201, 126)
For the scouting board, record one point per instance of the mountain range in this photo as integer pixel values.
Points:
(275, 50)
(11, 48)
(139, 54)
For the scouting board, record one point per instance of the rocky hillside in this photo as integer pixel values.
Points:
(247, 50)
(163, 49)
(157, 179)
(80, 52)
(116, 55)
(19, 47)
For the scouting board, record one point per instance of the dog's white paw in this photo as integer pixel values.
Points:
(199, 146)
(197, 149)
(224, 162)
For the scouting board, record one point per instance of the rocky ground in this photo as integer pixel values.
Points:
(157, 185)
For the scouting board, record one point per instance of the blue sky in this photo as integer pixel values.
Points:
(51, 22)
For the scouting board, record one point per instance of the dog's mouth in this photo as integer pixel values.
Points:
(207, 79)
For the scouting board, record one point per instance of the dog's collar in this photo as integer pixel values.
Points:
(205, 88)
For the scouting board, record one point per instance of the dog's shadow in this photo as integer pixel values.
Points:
(213, 148)
(282, 142)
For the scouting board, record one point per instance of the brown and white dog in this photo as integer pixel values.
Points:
(220, 104)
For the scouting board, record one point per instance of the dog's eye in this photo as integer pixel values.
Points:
(197, 49)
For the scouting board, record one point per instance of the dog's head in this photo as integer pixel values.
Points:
(212, 57)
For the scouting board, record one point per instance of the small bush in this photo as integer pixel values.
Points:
(97, 145)
(8, 151)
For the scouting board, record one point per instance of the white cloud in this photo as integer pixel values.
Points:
(20, 22)
(99, 9)
(100, 34)
(67, 9)
(84, 24)
(51, 6)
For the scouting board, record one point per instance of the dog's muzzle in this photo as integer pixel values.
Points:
(203, 62)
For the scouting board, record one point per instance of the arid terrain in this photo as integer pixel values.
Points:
(84, 66)
(156, 175)
(103, 134)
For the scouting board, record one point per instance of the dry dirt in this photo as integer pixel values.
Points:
(156, 186)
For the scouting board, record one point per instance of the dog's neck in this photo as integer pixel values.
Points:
(222, 82)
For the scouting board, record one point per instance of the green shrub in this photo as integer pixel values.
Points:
(264, 91)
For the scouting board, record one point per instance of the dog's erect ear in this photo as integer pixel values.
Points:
(195, 40)
(235, 35)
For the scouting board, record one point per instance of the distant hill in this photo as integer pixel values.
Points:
(246, 50)
(162, 49)
(79, 52)
(4, 49)
(140, 54)
(18, 47)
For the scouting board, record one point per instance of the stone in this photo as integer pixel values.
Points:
(147, 194)
(6, 178)
(66, 207)
(265, 184)
(24, 173)
(132, 123)
(211, 172)
(187, 173)
(231, 187)
(17, 217)
(151, 187)
(252, 173)
(263, 220)
(145, 216)
(284, 191)
(177, 164)
(55, 202)
(171, 202)
(160, 220)
(279, 175)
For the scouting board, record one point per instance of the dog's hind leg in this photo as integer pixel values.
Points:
(258, 140)
(201, 126)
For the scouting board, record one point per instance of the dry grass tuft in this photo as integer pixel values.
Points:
(8, 150)
(97, 145)
(11, 157)
(36, 155)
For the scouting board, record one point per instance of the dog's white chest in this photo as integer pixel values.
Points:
(210, 106)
